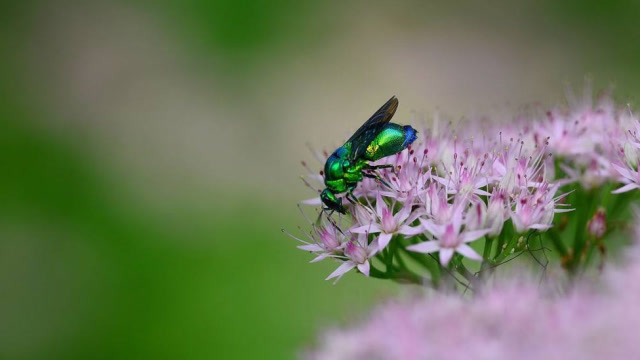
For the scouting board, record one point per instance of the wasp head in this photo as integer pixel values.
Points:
(330, 200)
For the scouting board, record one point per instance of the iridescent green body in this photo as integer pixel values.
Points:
(341, 173)
(376, 139)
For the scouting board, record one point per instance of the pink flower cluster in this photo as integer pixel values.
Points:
(516, 319)
(460, 183)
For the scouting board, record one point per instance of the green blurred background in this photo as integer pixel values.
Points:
(150, 153)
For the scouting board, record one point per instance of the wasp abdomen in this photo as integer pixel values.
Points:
(391, 140)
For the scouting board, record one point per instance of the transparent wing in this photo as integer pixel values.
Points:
(361, 139)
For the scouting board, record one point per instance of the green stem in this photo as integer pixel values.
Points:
(468, 275)
(375, 273)
(507, 250)
(405, 276)
(400, 276)
(557, 242)
(486, 252)
(585, 206)
(434, 271)
(390, 250)
(400, 260)
(507, 228)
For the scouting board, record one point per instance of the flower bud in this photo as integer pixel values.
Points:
(476, 215)
(496, 212)
(597, 226)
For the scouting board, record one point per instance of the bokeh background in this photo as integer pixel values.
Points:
(150, 152)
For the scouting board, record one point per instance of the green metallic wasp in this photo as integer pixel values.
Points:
(349, 164)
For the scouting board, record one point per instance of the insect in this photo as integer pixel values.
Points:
(349, 164)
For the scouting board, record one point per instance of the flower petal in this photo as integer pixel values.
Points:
(410, 231)
(425, 247)
(342, 269)
(517, 223)
(474, 235)
(540, 226)
(364, 268)
(319, 258)
(445, 256)
(310, 247)
(403, 214)
(366, 229)
(481, 192)
(625, 188)
(435, 230)
(380, 205)
(313, 202)
(624, 172)
(383, 240)
(468, 252)
(373, 248)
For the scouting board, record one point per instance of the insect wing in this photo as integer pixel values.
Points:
(361, 139)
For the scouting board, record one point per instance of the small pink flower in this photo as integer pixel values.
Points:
(436, 204)
(357, 253)
(449, 239)
(534, 209)
(409, 178)
(592, 174)
(629, 176)
(389, 224)
(325, 241)
(514, 168)
(465, 176)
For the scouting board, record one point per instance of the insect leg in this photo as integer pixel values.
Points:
(388, 166)
(328, 213)
(352, 198)
(334, 224)
(349, 195)
(542, 263)
(317, 223)
(377, 177)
